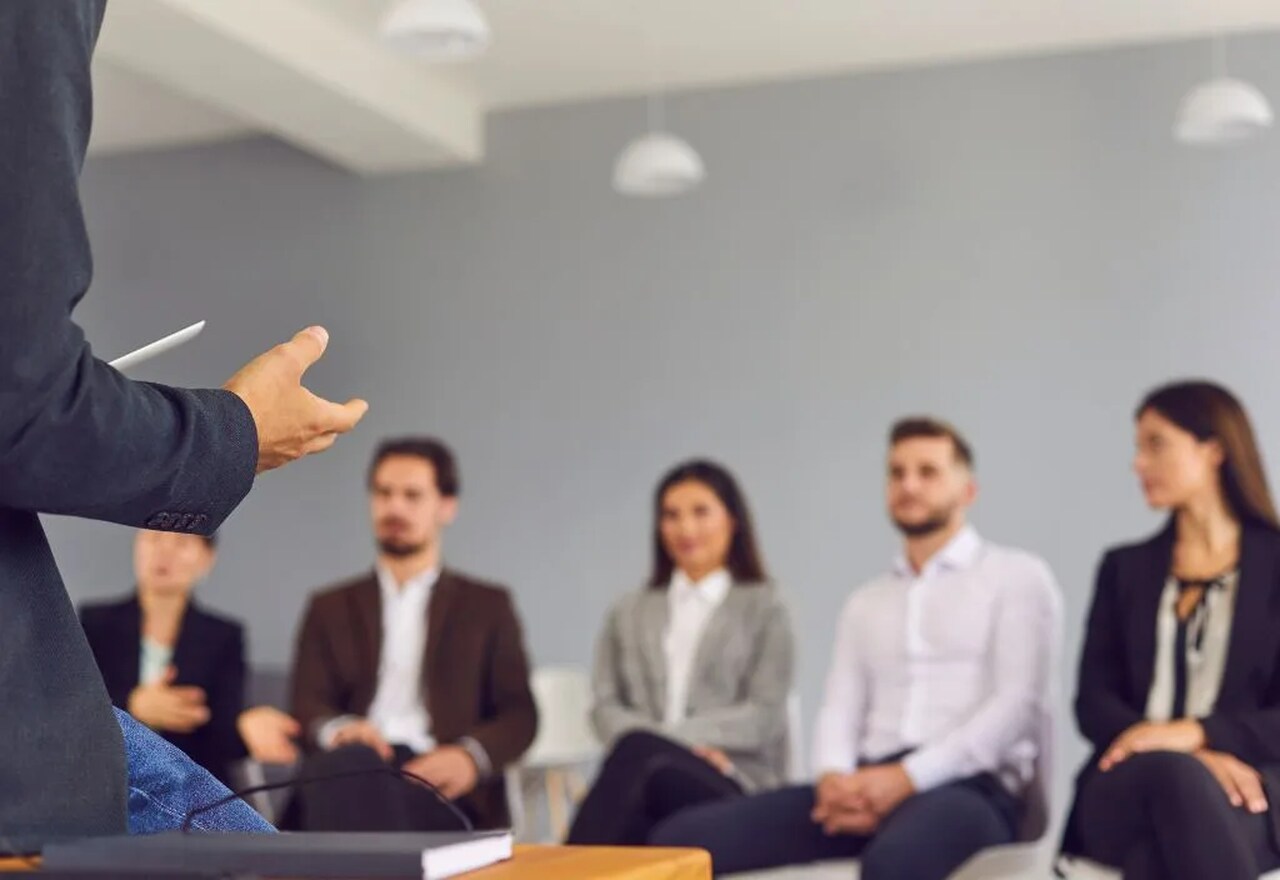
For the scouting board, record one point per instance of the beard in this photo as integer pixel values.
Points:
(396, 547)
(399, 549)
(937, 520)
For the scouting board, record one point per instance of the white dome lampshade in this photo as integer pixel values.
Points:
(658, 164)
(437, 30)
(1222, 111)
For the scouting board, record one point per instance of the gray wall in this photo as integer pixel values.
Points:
(1016, 245)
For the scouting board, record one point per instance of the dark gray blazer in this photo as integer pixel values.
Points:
(740, 685)
(76, 438)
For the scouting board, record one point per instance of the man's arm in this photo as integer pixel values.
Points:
(835, 741)
(503, 738)
(314, 698)
(76, 437)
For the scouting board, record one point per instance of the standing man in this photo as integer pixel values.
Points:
(413, 665)
(77, 438)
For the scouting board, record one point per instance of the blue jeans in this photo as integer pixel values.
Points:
(165, 785)
(926, 838)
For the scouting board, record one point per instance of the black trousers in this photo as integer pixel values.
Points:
(644, 780)
(1163, 816)
(372, 801)
(926, 838)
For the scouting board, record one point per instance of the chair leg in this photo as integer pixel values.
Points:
(576, 785)
(516, 802)
(556, 807)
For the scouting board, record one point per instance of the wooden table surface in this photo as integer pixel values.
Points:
(600, 863)
(571, 863)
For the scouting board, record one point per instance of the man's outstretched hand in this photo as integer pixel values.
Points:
(292, 422)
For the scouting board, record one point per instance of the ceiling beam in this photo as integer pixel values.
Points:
(290, 70)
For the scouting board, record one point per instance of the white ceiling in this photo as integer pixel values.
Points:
(313, 72)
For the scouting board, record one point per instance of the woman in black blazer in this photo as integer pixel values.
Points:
(1179, 688)
(172, 665)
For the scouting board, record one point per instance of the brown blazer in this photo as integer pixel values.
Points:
(475, 671)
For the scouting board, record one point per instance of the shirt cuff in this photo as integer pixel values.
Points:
(928, 768)
(327, 730)
(484, 766)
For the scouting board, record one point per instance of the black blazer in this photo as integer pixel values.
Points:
(209, 654)
(76, 438)
(1117, 662)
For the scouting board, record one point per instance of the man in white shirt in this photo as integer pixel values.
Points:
(938, 686)
(413, 665)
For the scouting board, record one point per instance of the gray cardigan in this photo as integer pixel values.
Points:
(738, 693)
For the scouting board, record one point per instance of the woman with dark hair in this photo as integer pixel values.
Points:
(1179, 688)
(175, 666)
(692, 672)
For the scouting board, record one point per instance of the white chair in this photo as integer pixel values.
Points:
(266, 686)
(564, 746)
(1031, 856)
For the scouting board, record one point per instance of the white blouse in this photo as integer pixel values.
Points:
(1208, 640)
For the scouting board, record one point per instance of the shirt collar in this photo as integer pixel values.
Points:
(956, 555)
(417, 587)
(712, 589)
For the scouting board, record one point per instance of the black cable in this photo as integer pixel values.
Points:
(403, 775)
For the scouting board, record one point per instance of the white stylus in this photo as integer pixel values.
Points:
(160, 346)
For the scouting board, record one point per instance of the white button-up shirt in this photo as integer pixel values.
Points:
(954, 662)
(398, 710)
(690, 605)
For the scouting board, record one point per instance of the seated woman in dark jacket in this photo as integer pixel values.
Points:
(1179, 689)
(172, 665)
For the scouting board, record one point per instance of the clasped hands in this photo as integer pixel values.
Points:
(857, 802)
(449, 769)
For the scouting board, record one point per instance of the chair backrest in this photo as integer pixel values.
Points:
(1038, 802)
(268, 686)
(563, 697)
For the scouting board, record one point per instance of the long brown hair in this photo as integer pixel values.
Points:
(1211, 412)
(745, 562)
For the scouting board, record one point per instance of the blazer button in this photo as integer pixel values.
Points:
(159, 522)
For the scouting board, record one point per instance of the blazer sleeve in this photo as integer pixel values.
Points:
(76, 437)
(611, 716)
(1103, 709)
(760, 718)
(316, 695)
(510, 729)
(226, 697)
(1253, 737)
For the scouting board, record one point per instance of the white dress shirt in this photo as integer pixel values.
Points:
(691, 604)
(398, 710)
(954, 662)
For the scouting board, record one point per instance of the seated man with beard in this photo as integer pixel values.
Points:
(412, 666)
